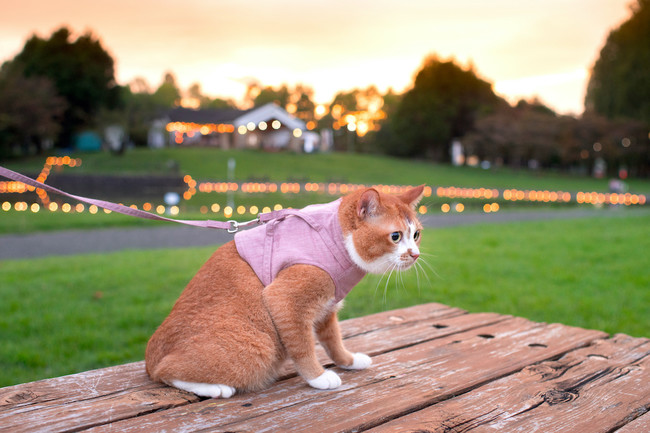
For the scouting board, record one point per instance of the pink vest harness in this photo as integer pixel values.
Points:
(310, 236)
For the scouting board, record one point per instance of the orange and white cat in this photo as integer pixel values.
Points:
(238, 319)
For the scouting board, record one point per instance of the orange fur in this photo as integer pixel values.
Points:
(227, 328)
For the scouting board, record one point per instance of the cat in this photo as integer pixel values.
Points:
(269, 293)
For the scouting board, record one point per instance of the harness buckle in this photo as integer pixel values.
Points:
(234, 226)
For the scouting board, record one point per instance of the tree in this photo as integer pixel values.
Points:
(353, 115)
(81, 71)
(167, 94)
(268, 94)
(30, 111)
(346, 101)
(620, 83)
(516, 136)
(301, 100)
(520, 136)
(297, 101)
(444, 103)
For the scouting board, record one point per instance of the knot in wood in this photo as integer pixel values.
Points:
(19, 397)
(556, 396)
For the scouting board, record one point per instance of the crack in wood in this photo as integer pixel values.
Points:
(581, 383)
(471, 423)
(636, 413)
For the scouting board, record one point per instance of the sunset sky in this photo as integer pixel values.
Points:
(525, 48)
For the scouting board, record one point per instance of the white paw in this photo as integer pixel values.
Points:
(327, 380)
(205, 389)
(361, 361)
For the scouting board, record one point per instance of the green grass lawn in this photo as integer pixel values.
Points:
(211, 164)
(68, 314)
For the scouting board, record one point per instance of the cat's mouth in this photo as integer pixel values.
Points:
(406, 262)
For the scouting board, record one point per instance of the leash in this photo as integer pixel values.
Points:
(231, 226)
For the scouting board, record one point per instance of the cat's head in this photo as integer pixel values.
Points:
(381, 231)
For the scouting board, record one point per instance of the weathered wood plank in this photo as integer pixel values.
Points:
(639, 425)
(399, 382)
(122, 392)
(398, 317)
(594, 389)
(66, 389)
(86, 413)
(394, 337)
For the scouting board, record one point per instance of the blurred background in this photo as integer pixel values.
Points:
(528, 121)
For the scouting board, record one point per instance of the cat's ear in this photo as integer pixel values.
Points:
(368, 203)
(413, 196)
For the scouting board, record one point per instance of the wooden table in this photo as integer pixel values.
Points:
(435, 369)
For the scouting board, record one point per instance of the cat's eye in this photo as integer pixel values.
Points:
(396, 236)
(416, 235)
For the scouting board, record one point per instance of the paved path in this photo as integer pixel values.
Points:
(115, 239)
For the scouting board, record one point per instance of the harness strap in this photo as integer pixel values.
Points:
(231, 226)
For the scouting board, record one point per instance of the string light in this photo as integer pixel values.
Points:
(331, 188)
(52, 161)
(205, 129)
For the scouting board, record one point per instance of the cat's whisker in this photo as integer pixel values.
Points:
(386, 262)
(416, 266)
(398, 277)
(424, 272)
(392, 269)
(419, 266)
(431, 268)
(401, 279)
(381, 278)
(390, 274)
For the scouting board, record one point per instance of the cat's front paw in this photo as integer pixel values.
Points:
(361, 361)
(327, 380)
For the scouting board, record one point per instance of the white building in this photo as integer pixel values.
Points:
(268, 127)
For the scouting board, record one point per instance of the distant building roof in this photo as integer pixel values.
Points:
(204, 116)
(268, 112)
(235, 117)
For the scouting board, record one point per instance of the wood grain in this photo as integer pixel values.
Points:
(435, 369)
(399, 382)
(593, 389)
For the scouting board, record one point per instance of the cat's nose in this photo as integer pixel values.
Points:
(414, 254)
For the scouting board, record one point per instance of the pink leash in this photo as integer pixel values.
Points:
(231, 226)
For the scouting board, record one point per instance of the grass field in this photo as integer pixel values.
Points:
(69, 314)
(211, 164)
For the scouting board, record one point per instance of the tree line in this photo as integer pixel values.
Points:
(58, 86)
